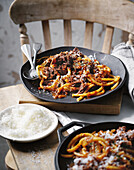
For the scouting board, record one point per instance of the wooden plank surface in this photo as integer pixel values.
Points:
(35, 155)
(24, 39)
(108, 40)
(67, 33)
(88, 37)
(10, 162)
(108, 105)
(104, 11)
(9, 96)
(47, 35)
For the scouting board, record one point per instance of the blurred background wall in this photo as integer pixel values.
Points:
(10, 53)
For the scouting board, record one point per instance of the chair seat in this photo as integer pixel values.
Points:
(9, 161)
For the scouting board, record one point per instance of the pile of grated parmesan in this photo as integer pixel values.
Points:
(24, 122)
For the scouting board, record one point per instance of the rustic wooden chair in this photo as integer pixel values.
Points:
(114, 14)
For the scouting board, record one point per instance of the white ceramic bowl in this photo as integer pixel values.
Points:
(49, 129)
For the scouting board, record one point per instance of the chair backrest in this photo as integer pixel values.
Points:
(112, 13)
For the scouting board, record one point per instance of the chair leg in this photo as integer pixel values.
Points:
(9, 161)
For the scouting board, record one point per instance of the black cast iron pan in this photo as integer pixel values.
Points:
(62, 163)
(114, 63)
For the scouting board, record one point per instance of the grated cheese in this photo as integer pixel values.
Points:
(23, 122)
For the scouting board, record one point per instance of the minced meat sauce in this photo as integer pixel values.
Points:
(119, 152)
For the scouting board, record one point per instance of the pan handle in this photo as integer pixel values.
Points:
(60, 131)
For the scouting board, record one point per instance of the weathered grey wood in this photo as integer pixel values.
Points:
(108, 40)
(67, 33)
(108, 105)
(10, 162)
(23, 38)
(131, 39)
(107, 12)
(45, 148)
(88, 35)
(46, 33)
(6, 101)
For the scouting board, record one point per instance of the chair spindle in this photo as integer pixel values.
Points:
(46, 33)
(108, 40)
(67, 33)
(88, 37)
(131, 39)
(23, 38)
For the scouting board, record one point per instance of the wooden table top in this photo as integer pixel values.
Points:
(40, 154)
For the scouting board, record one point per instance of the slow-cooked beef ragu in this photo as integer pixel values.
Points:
(103, 150)
(72, 72)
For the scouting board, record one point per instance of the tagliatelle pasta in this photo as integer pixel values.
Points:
(103, 150)
(72, 72)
